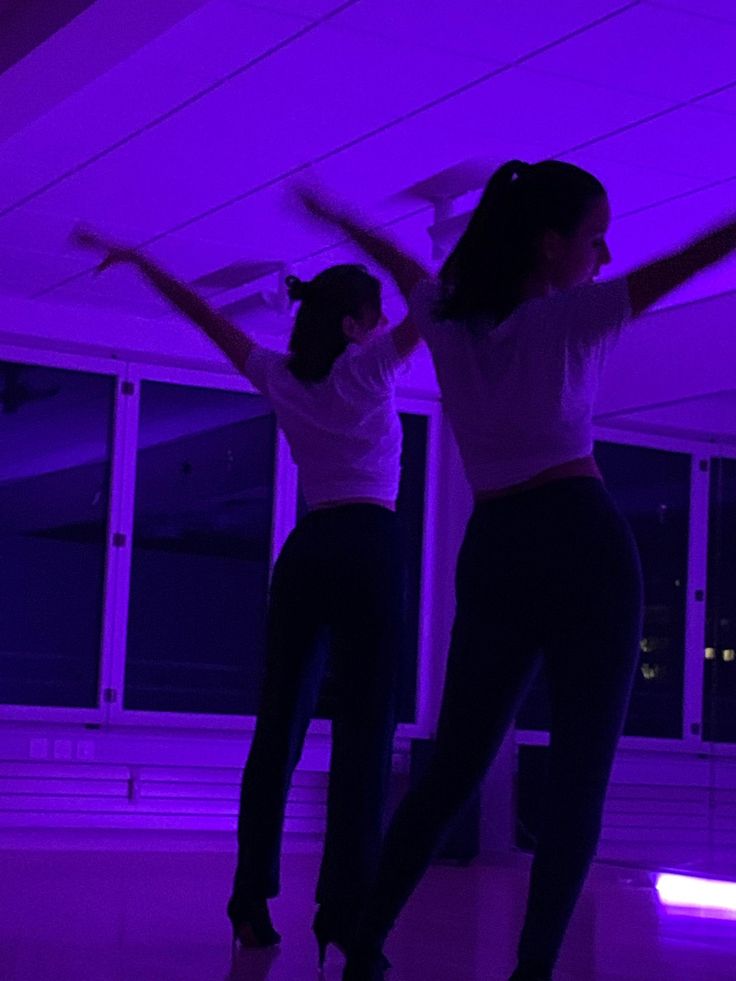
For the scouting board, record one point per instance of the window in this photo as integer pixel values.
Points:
(55, 428)
(719, 689)
(652, 488)
(201, 551)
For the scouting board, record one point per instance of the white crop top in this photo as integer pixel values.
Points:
(344, 432)
(519, 396)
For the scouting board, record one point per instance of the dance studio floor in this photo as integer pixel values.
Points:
(142, 913)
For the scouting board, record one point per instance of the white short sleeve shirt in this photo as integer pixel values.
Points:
(344, 432)
(519, 395)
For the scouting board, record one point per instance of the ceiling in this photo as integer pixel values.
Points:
(179, 124)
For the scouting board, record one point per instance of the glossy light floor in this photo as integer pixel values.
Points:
(140, 913)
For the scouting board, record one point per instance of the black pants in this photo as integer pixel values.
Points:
(341, 569)
(550, 573)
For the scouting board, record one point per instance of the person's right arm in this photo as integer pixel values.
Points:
(405, 270)
(651, 282)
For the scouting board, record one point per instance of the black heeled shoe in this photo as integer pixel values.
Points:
(365, 966)
(253, 926)
(328, 930)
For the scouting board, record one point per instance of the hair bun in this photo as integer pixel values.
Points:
(519, 168)
(297, 289)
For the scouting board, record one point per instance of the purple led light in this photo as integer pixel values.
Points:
(712, 897)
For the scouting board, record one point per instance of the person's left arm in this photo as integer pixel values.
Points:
(231, 340)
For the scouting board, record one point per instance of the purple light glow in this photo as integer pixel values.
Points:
(711, 897)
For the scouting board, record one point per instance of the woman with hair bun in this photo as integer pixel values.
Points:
(341, 569)
(519, 331)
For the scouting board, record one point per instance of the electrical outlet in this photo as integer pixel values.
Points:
(39, 749)
(62, 749)
(85, 750)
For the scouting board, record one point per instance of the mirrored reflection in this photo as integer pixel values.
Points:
(55, 441)
(652, 489)
(201, 550)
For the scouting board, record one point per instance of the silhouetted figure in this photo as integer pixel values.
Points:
(340, 570)
(519, 332)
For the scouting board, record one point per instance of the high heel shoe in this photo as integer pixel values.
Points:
(253, 926)
(365, 966)
(328, 930)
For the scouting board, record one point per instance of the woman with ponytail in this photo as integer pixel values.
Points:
(519, 331)
(340, 571)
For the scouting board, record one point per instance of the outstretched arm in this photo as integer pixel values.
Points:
(651, 282)
(229, 338)
(405, 270)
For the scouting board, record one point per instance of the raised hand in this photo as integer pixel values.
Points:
(318, 203)
(404, 269)
(234, 343)
(86, 238)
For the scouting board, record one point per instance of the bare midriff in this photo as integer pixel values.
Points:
(391, 505)
(584, 466)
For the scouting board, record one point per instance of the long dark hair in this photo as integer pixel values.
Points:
(318, 339)
(484, 274)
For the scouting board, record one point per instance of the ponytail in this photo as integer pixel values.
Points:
(485, 274)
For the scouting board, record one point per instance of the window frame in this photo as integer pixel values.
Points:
(125, 414)
(66, 361)
(110, 711)
(690, 741)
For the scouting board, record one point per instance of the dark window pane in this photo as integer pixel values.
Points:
(652, 488)
(719, 692)
(410, 509)
(55, 428)
(201, 550)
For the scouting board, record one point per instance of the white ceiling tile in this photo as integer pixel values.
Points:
(205, 47)
(689, 141)
(103, 35)
(308, 8)
(494, 31)
(724, 101)
(631, 187)
(658, 230)
(652, 50)
(510, 115)
(120, 290)
(263, 124)
(264, 226)
(388, 95)
(720, 9)
(23, 272)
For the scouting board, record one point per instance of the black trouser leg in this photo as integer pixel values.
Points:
(293, 675)
(367, 645)
(555, 568)
(593, 628)
(491, 660)
(342, 570)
